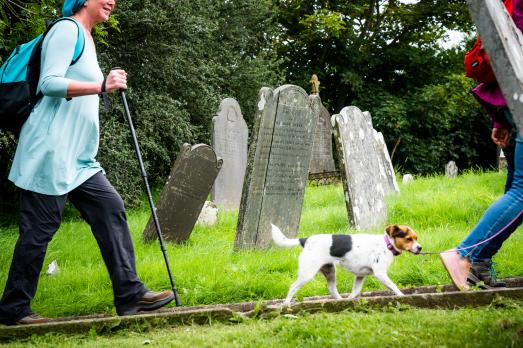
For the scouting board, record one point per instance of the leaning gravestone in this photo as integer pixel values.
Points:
(229, 140)
(322, 160)
(363, 178)
(386, 168)
(184, 194)
(391, 184)
(278, 164)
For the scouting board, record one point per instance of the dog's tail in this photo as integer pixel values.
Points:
(280, 240)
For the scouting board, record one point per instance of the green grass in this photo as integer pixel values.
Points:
(391, 327)
(208, 271)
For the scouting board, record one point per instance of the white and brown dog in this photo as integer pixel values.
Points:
(361, 254)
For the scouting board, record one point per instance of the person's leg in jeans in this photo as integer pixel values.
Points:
(501, 219)
(103, 209)
(40, 217)
(482, 266)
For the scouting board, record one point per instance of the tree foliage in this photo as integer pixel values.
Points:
(184, 57)
(386, 56)
(354, 45)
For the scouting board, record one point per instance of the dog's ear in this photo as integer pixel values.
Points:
(395, 231)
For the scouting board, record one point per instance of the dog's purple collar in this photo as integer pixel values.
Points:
(391, 247)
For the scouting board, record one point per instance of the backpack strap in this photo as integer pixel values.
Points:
(80, 42)
(78, 48)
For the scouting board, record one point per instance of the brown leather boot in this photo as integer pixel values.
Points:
(32, 319)
(149, 302)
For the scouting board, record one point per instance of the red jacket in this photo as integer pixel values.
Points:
(490, 95)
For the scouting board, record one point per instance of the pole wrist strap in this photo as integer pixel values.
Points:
(105, 96)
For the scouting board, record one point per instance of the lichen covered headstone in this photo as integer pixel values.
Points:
(185, 192)
(278, 163)
(229, 140)
(364, 180)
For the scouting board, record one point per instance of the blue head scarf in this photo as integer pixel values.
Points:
(71, 6)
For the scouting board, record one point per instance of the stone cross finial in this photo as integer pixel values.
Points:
(315, 88)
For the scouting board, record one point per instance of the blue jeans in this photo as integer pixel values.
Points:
(505, 215)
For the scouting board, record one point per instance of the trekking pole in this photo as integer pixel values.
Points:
(149, 195)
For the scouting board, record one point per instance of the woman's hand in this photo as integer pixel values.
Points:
(500, 136)
(117, 79)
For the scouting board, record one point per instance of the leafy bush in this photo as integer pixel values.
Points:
(432, 126)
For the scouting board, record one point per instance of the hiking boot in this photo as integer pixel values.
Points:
(482, 274)
(149, 302)
(457, 267)
(30, 319)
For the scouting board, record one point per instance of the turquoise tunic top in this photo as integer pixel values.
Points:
(59, 141)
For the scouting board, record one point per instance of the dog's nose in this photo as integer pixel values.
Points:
(419, 248)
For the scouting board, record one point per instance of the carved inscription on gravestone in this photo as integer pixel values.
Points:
(184, 194)
(362, 177)
(322, 160)
(277, 168)
(229, 140)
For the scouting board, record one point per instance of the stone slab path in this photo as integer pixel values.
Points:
(422, 297)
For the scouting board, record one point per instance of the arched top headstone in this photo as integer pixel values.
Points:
(229, 140)
(185, 192)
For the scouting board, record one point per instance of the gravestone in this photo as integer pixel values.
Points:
(502, 160)
(277, 166)
(229, 140)
(386, 168)
(408, 178)
(368, 118)
(363, 179)
(451, 170)
(386, 163)
(184, 194)
(503, 42)
(322, 160)
(209, 214)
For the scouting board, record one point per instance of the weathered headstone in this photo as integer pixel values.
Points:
(451, 170)
(184, 194)
(408, 178)
(362, 175)
(229, 140)
(368, 118)
(503, 42)
(278, 164)
(502, 160)
(322, 160)
(386, 168)
(209, 214)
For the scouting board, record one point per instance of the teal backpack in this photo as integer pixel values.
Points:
(19, 77)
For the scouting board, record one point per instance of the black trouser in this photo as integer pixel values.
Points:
(40, 216)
